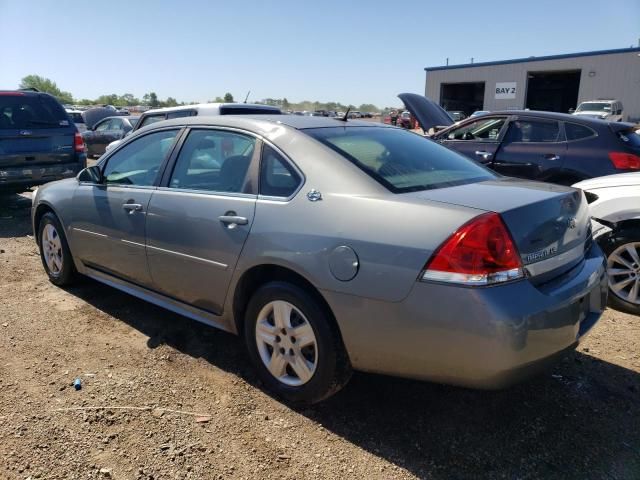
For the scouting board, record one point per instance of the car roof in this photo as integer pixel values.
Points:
(565, 117)
(266, 122)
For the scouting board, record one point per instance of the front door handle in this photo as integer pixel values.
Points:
(132, 207)
(552, 156)
(486, 156)
(231, 220)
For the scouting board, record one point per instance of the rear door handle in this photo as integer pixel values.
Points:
(485, 155)
(230, 219)
(132, 207)
(552, 156)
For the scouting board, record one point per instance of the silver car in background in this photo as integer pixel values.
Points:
(333, 245)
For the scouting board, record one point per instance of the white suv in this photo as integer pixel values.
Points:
(610, 110)
(159, 114)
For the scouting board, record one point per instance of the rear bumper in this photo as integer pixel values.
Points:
(475, 337)
(28, 176)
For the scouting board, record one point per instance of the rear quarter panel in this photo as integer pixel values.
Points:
(393, 236)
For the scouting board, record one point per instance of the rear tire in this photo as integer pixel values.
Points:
(623, 268)
(294, 344)
(54, 251)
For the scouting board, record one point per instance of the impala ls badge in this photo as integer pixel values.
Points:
(314, 195)
(571, 222)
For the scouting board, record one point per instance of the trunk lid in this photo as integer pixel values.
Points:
(428, 113)
(549, 223)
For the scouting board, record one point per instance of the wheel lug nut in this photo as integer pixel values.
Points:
(278, 338)
(293, 339)
(282, 350)
(291, 351)
(284, 332)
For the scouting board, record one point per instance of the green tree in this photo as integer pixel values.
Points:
(368, 107)
(45, 85)
(285, 104)
(153, 100)
(228, 98)
(171, 102)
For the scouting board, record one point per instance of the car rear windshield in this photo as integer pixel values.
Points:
(248, 111)
(402, 161)
(20, 111)
(76, 117)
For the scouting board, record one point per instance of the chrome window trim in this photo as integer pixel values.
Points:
(251, 196)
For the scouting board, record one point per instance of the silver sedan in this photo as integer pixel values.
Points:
(333, 245)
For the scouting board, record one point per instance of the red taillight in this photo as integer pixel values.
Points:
(78, 143)
(625, 161)
(481, 252)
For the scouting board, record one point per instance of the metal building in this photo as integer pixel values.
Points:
(555, 83)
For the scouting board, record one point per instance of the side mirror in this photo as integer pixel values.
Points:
(91, 174)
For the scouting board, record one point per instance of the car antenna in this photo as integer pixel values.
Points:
(346, 115)
(247, 97)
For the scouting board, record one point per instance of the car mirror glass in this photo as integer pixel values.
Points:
(91, 174)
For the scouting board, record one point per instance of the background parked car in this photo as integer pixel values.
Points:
(552, 147)
(614, 203)
(38, 141)
(106, 131)
(259, 239)
(477, 113)
(152, 116)
(77, 119)
(603, 109)
(456, 115)
(404, 120)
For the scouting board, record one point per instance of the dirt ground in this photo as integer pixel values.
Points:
(164, 397)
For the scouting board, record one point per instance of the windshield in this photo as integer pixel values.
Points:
(18, 111)
(594, 107)
(76, 117)
(402, 161)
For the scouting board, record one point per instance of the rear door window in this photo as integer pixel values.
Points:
(533, 131)
(31, 112)
(486, 130)
(214, 161)
(574, 131)
(277, 177)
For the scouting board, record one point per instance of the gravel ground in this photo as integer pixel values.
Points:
(164, 397)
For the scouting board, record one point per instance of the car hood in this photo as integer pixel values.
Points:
(94, 115)
(428, 113)
(594, 113)
(611, 181)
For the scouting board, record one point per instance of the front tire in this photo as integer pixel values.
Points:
(622, 249)
(54, 251)
(294, 344)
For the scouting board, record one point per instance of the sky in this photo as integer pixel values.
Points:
(350, 51)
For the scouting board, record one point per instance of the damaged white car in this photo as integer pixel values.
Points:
(614, 202)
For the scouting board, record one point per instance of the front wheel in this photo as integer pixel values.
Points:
(54, 251)
(623, 268)
(294, 344)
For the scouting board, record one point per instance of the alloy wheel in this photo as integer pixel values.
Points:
(286, 343)
(623, 268)
(52, 249)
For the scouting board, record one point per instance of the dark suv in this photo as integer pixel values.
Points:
(38, 141)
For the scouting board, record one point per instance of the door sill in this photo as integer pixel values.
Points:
(158, 299)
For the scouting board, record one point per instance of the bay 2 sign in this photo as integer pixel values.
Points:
(506, 90)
